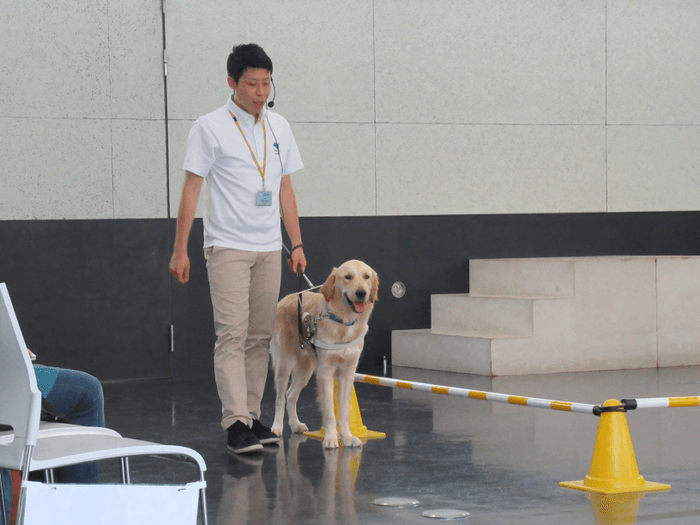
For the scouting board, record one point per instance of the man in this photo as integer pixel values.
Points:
(247, 154)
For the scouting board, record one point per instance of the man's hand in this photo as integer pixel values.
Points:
(297, 260)
(180, 262)
(180, 267)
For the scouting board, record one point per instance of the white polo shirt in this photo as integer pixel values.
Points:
(217, 151)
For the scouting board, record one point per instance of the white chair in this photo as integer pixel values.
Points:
(28, 449)
(51, 429)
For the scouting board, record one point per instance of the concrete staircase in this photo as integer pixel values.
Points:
(531, 316)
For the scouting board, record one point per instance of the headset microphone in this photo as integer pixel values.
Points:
(271, 104)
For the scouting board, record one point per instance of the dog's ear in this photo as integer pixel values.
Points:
(328, 288)
(374, 293)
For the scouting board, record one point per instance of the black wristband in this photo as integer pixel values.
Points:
(294, 248)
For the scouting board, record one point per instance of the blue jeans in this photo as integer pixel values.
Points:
(78, 396)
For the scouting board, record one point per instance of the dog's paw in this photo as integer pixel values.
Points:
(277, 430)
(352, 441)
(299, 428)
(330, 442)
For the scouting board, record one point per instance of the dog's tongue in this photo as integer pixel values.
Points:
(360, 307)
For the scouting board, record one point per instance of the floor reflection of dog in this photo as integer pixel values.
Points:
(333, 499)
(342, 308)
(325, 492)
(337, 488)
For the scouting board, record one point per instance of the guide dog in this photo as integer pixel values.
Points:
(337, 317)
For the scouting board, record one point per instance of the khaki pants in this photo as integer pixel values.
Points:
(244, 291)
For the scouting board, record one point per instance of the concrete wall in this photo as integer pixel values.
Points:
(437, 107)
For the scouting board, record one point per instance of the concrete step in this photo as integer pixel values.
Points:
(530, 278)
(613, 315)
(468, 314)
(435, 351)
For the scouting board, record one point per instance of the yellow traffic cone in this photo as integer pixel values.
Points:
(357, 428)
(354, 467)
(614, 467)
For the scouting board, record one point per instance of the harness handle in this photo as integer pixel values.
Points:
(305, 323)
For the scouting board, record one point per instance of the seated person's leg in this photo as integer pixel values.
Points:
(78, 396)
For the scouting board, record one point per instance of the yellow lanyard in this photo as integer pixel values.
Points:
(262, 171)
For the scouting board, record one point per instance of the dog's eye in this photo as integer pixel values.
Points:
(366, 276)
(348, 277)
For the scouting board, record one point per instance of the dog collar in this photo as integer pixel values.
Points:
(337, 319)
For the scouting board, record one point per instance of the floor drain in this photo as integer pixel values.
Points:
(445, 514)
(395, 502)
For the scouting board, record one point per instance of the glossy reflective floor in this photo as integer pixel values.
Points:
(500, 463)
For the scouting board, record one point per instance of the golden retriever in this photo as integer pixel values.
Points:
(341, 311)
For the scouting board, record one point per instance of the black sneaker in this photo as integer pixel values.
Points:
(241, 439)
(264, 434)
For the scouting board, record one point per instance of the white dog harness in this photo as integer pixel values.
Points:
(308, 327)
(320, 343)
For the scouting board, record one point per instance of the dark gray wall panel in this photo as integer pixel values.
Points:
(91, 295)
(97, 295)
(192, 316)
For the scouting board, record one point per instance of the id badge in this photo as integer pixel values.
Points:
(264, 198)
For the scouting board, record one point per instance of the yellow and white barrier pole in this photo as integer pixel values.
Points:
(661, 402)
(614, 465)
(564, 406)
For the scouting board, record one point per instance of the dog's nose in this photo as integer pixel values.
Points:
(360, 294)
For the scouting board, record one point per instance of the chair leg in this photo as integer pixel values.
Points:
(126, 474)
(203, 503)
(203, 499)
(26, 464)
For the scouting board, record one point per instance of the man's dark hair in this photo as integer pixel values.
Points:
(244, 56)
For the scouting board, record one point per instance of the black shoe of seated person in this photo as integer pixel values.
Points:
(241, 439)
(264, 434)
